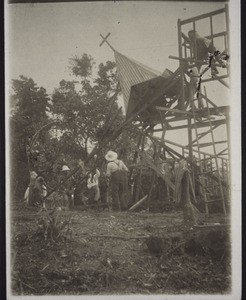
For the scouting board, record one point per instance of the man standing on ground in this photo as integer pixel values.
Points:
(67, 188)
(117, 172)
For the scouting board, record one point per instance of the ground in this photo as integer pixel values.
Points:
(106, 252)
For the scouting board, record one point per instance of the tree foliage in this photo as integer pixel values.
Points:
(87, 111)
(30, 105)
(86, 108)
(82, 66)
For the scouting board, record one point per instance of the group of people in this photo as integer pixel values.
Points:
(117, 185)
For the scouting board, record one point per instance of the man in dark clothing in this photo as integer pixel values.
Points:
(201, 45)
(117, 172)
(204, 49)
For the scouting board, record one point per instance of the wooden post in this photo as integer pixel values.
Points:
(228, 135)
(228, 165)
(183, 94)
(136, 205)
(155, 157)
(181, 63)
(136, 154)
(167, 170)
(139, 177)
(227, 27)
(151, 187)
(211, 30)
(195, 48)
(189, 127)
(188, 209)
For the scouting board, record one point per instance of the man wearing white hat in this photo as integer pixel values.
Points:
(65, 168)
(117, 172)
(67, 188)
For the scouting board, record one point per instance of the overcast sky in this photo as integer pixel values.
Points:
(40, 38)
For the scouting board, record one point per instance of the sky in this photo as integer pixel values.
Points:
(41, 38)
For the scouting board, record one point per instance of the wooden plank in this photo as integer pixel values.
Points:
(209, 144)
(204, 134)
(192, 60)
(213, 78)
(178, 111)
(215, 35)
(222, 81)
(221, 152)
(185, 37)
(139, 175)
(136, 205)
(181, 101)
(215, 110)
(209, 101)
(170, 154)
(186, 147)
(200, 125)
(227, 45)
(189, 127)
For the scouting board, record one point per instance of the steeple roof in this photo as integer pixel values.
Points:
(131, 72)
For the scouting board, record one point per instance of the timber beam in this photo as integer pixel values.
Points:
(199, 125)
(182, 115)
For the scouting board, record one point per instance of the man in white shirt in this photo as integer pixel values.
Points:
(93, 183)
(117, 172)
(67, 187)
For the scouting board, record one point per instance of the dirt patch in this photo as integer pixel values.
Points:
(118, 253)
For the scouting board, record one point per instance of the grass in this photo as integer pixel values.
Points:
(106, 253)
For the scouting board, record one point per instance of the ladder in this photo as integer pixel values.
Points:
(209, 175)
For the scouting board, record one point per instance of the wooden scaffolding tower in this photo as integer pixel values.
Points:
(151, 100)
(202, 114)
(215, 187)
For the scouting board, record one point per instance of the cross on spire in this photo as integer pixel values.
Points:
(105, 40)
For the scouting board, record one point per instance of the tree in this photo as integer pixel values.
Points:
(29, 107)
(82, 66)
(86, 110)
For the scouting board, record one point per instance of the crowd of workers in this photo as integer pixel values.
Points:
(117, 184)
